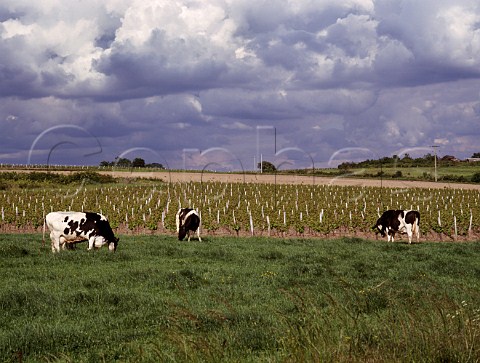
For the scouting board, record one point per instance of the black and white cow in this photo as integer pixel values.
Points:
(68, 228)
(187, 220)
(402, 221)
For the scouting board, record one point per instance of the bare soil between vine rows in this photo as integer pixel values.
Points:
(226, 232)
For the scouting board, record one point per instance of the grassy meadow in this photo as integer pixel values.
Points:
(462, 173)
(230, 299)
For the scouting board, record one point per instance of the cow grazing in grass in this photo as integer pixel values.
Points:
(188, 221)
(402, 221)
(68, 228)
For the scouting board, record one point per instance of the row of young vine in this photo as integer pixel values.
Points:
(265, 209)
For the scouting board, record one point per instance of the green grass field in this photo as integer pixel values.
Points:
(427, 172)
(240, 300)
(459, 172)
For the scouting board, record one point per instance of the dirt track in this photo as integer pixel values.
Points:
(179, 176)
(287, 179)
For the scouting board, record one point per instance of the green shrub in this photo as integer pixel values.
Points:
(36, 179)
(476, 178)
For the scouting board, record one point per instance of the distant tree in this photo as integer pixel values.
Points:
(267, 167)
(476, 155)
(476, 177)
(106, 163)
(124, 163)
(346, 165)
(387, 161)
(155, 165)
(138, 163)
(429, 157)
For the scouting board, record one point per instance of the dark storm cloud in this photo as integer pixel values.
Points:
(134, 74)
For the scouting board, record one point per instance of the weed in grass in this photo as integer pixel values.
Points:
(217, 254)
(272, 255)
(338, 333)
(452, 269)
(184, 279)
(307, 272)
(352, 240)
(13, 251)
(253, 339)
(93, 284)
(169, 251)
(394, 247)
(308, 269)
(363, 270)
(141, 275)
(25, 301)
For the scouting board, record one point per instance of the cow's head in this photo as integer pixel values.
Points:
(101, 240)
(112, 246)
(182, 232)
(379, 228)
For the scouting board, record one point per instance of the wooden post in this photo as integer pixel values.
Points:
(268, 225)
(455, 226)
(251, 224)
(470, 225)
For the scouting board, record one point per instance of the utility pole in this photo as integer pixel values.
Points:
(275, 138)
(435, 153)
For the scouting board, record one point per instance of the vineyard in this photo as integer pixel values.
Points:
(247, 208)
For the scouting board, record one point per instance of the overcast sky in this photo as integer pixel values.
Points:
(209, 83)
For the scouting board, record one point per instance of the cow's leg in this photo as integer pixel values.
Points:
(198, 234)
(389, 235)
(392, 235)
(188, 234)
(416, 229)
(52, 243)
(55, 242)
(63, 242)
(408, 227)
(91, 243)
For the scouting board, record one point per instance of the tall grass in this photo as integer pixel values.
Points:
(240, 300)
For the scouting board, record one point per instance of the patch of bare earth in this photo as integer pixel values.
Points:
(227, 232)
(287, 179)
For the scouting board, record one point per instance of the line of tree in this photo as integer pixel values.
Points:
(127, 163)
(406, 161)
(266, 167)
